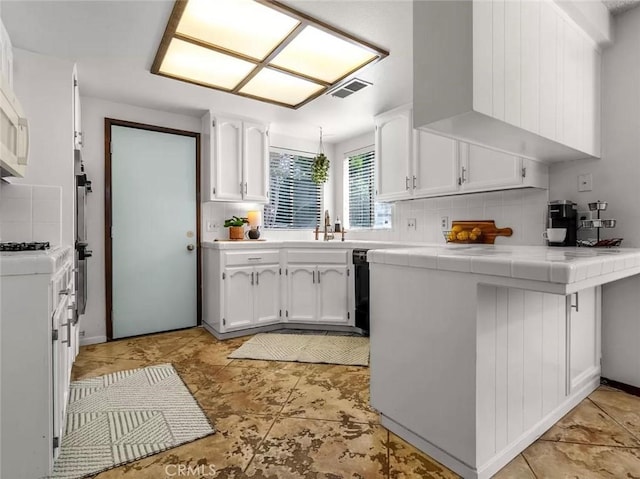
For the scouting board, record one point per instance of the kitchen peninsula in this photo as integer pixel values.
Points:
(505, 341)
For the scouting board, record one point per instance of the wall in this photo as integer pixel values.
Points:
(523, 210)
(44, 87)
(94, 111)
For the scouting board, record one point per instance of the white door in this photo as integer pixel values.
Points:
(483, 169)
(153, 205)
(228, 159)
(267, 294)
(436, 165)
(238, 297)
(393, 155)
(255, 162)
(332, 294)
(302, 293)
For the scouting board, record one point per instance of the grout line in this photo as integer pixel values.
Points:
(529, 465)
(588, 444)
(634, 435)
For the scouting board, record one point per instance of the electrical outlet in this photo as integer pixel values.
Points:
(210, 226)
(444, 222)
(585, 182)
(82, 334)
(411, 223)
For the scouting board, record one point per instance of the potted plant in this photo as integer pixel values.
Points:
(320, 168)
(236, 227)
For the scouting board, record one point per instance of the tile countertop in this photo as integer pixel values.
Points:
(333, 244)
(536, 263)
(15, 263)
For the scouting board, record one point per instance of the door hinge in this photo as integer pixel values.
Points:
(224, 322)
(224, 275)
(54, 335)
(524, 171)
(56, 442)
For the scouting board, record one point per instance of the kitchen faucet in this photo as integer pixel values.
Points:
(328, 231)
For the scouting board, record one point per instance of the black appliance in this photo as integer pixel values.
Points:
(361, 278)
(83, 186)
(34, 246)
(563, 214)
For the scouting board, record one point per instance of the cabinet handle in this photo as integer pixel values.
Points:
(245, 187)
(414, 182)
(406, 182)
(63, 292)
(318, 277)
(254, 259)
(462, 178)
(251, 279)
(577, 305)
(258, 278)
(314, 277)
(68, 340)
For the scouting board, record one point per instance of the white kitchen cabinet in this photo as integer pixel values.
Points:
(584, 326)
(436, 165)
(235, 159)
(36, 310)
(393, 138)
(251, 296)
(318, 286)
(485, 169)
(77, 117)
(521, 77)
(6, 55)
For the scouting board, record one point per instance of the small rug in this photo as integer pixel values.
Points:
(304, 348)
(125, 416)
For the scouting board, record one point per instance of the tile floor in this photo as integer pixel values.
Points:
(278, 420)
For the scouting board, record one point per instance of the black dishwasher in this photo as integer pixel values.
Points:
(361, 278)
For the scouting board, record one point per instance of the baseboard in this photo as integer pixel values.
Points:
(627, 388)
(274, 327)
(93, 340)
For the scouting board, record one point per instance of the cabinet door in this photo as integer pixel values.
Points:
(77, 128)
(255, 162)
(302, 292)
(484, 169)
(60, 357)
(227, 144)
(584, 337)
(436, 165)
(238, 298)
(267, 294)
(393, 155)
(333, 294)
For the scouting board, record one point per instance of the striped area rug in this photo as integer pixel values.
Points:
(306, 348)
(125, 416)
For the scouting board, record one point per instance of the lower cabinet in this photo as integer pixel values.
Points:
(251, 296)
(583, 326)
(318, 294)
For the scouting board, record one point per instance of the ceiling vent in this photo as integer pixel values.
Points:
(349, 88)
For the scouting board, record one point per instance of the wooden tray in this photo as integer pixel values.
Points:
(488, 228)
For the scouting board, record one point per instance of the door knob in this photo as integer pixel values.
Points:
(190, 247)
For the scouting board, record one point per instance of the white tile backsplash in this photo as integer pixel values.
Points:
(30, 213)
(524, 211)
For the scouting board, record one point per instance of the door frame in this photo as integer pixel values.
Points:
(108, 259)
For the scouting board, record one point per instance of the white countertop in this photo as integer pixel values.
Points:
(537, 263)
(534, 263)
(15, 263)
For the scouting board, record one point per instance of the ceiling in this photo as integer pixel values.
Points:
(114, 44)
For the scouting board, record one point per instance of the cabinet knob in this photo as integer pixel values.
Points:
(190, 247)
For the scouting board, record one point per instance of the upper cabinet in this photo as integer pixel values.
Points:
(417, 163)
(235, 159)
(77, 124)
(516, 75)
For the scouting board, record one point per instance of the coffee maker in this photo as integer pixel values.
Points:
(563, 214)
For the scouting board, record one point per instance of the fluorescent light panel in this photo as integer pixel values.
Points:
(261, 49)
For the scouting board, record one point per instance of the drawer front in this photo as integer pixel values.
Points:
(318, 256)
(61, 283)
(243, 258)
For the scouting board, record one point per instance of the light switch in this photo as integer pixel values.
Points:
(585, 182)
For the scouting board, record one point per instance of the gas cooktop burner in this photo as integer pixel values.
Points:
(34, 246)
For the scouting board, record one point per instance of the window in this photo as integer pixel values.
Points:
(363, 210)
(295, 201)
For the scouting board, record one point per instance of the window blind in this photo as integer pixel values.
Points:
(364, 211)
(295, 201)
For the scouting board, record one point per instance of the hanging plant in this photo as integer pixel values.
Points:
(320, 167)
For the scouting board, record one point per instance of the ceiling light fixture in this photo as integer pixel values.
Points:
(258, 49)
